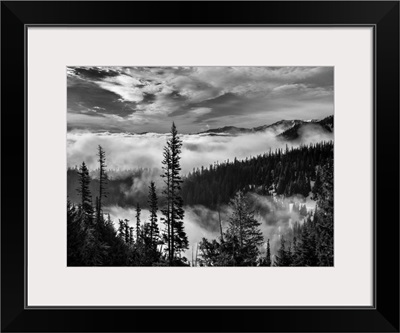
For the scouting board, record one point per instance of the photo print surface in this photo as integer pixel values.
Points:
(200, 166)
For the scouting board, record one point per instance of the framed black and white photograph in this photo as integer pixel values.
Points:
(236, 169)
(161, 171)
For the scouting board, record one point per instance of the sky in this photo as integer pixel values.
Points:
(149, 99)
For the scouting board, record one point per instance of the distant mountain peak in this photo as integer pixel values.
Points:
(325, 125)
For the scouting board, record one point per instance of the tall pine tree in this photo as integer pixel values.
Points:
(175, 235)
(153, 204)
(268, 256)
(102, 181)
(86, 196)
(138, 211)
(167, 209)
(127, 231)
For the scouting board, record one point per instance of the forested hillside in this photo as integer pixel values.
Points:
(307, 241)
(283, 172)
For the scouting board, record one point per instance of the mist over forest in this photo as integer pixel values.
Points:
(214, 159)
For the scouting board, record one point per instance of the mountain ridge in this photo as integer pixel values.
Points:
(284, 128)
(324, 125)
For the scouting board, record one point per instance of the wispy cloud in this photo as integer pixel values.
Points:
(138, 99)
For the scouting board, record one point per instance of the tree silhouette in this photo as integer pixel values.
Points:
(175, 235)
(153, 204)
(138, 212)
(268, 255)
(86, 196)
(102, 181)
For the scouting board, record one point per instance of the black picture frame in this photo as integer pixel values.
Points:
(383, 316)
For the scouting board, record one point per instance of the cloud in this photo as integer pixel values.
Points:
(123, 151)
(159, 94)
(318, 77)
(127, 93)
(84, 96)
(93, 73)
(197, 112)
(129, 151)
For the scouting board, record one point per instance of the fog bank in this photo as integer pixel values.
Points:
(130, 151)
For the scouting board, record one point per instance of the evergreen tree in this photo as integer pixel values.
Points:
(117, 251)
(268, 256)
(92, 249)
(121, 230)
(283, 256)
(138, 211)
(127, 231)
(86, 196)
(166, 192)
(153, 204)
(130, 235)
(211, 253)
(75, 236)
(175, 235)
(102, 181)
(243, 236)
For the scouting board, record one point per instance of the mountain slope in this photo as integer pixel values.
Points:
(228, 130)
(323, 126)
(278, 127)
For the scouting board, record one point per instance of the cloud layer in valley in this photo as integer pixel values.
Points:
(148, 99)
(125, 151)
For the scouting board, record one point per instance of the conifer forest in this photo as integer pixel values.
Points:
(200, 166)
